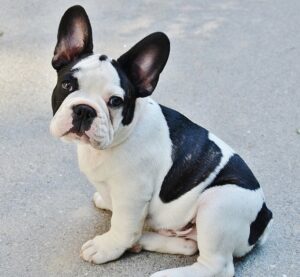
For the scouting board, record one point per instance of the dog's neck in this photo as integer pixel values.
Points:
(123, 132)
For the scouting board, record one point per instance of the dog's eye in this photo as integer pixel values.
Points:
(67, 86)
(115, 101)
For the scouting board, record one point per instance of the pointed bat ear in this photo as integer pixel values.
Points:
(145, 61)
(74, 37)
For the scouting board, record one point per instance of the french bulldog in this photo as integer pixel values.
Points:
(149, 163)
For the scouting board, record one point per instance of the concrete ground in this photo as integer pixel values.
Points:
(234, 68)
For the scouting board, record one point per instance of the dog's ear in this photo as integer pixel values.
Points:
(74, 37)
(145, 61)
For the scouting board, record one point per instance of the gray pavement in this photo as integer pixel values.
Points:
(234, 68)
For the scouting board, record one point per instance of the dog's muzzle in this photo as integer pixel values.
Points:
(83, 116)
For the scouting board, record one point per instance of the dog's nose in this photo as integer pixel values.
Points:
(84, 112)
(82, 118)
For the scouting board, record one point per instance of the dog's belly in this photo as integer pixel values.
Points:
(175, 215)
(188, 232)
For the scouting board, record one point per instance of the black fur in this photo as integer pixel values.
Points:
(59, 94)
(103, 58)
(236, 172)
(129, 97)
(258, 226)
(194, 156)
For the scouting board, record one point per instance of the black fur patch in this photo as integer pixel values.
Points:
(258, 226)
(194, 156)
(103, 58)
(236, 172)
(59, 94)
(130, 95)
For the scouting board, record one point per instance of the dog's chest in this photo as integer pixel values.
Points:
(94, 164)
(174, 215)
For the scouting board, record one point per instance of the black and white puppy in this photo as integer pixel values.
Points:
(148, 162)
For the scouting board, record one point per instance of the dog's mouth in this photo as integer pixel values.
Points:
(77, 135)
(99, 136)
(76, 132)
(82, 137)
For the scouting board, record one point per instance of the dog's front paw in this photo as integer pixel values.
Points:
(99, 251)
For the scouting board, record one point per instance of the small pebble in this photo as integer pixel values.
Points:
(1, 34)
(298, 131)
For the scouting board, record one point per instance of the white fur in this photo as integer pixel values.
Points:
(223, 232)
(127, 165)
(102, 200)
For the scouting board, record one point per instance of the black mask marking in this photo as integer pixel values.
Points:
(59, 94)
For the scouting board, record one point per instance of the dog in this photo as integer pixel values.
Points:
(149, 163)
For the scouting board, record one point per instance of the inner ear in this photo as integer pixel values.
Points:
(74, 37)
(144, 62)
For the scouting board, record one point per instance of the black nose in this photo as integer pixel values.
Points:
(84, 112)
(82, 118)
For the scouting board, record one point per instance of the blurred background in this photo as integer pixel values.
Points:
(234, 69)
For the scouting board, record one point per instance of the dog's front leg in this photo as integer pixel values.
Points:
(126, 228)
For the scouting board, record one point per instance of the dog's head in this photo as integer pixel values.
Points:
(95, 96)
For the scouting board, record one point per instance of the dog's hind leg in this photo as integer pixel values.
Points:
(156, 242)
(223, 221)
